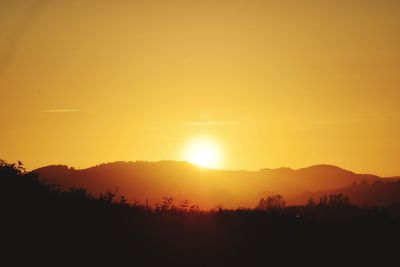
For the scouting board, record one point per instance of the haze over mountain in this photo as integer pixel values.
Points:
(139, 181)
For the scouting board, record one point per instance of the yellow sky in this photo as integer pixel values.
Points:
(274, 83)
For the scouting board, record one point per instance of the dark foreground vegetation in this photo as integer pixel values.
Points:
(42, 225)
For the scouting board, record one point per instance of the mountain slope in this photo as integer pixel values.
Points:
(378, 193)
(139, 181)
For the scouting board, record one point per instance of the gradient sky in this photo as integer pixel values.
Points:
(274, 83)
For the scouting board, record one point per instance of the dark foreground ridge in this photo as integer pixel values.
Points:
(42, 225)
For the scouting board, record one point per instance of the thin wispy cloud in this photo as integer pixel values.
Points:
(60, 110)
(210, 123)
(385, 115)
(363, 118)
(324, 122)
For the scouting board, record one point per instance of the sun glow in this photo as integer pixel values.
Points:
(203, 152)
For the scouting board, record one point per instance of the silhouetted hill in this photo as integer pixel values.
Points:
(44, 226)
(379, 193)
(181, 180)
(392, 178)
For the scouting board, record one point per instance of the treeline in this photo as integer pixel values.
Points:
(46, 226)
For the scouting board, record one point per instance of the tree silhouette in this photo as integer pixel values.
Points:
(271, 203)
(46, 226)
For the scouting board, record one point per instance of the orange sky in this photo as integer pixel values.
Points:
(274, 83)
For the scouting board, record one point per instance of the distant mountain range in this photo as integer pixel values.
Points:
(141, 181)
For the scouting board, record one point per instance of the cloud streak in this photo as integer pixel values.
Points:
(210, 123)
(60, 110)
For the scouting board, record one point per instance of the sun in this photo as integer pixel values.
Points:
(203, 152)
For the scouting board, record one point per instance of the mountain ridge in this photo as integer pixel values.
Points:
(143, 180)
